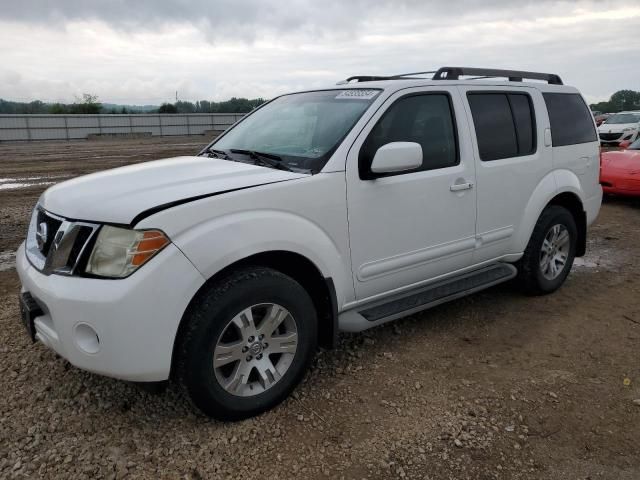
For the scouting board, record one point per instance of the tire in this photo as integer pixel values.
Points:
(535, 275)
(218, 324)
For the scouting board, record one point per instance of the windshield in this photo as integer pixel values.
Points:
(623, 118)
(303, 129)
(635, 145)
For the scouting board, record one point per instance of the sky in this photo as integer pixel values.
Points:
(143, 51)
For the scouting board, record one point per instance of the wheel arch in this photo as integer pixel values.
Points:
(573, 204)
(560, 187)
(321, 290)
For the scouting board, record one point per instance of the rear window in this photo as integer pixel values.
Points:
(571, 120)
(504, 124)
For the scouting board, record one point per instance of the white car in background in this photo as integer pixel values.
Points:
(326, 210)
(619, 127)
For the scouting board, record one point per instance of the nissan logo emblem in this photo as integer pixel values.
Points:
(41, 235)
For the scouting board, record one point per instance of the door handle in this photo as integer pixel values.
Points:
(456, 187)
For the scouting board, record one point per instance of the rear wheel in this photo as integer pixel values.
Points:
(248, 342)
(549, 255)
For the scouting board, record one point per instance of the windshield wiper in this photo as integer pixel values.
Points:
(218, 153)
(268, 159)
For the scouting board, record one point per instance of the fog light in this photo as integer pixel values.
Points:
(86, 338)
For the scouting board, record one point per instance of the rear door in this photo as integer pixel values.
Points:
(508, 126)
(408, 227)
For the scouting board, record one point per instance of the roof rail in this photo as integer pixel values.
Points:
(402, 75)
(363, 78)
(373, 78)
(454, 73)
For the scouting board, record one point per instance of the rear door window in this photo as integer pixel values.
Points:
(504, 124)
(523, 120)
(571, 120)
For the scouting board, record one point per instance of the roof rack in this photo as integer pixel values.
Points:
(363, 78)
(404, 75)
(454, 73)
(373, 78)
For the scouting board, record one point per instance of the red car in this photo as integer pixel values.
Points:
(620, 170)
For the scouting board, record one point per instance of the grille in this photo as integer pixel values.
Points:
(610, 136)
(51, 225)
(57, 245)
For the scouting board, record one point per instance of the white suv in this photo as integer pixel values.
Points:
(326, 210)
(619, 127)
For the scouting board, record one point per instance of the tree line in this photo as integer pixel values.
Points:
(89, 104)
(234, 105)
(620, 101)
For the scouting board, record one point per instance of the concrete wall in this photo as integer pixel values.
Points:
(72, 127)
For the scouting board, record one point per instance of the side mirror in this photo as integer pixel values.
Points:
(397, 157)
(624, 144)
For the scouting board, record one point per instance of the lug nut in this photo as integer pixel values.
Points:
(249, 358)
(260, 337)
(245, 349)
(265, 345)
(251, 339)
(259, 356)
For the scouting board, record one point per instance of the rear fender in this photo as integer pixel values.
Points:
(552, 185)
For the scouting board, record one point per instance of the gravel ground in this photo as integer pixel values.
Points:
(494, 386)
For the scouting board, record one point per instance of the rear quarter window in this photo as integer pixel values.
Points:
(571, 120)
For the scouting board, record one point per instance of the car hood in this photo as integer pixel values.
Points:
(122, 194)
(627, 160)
(615, 127)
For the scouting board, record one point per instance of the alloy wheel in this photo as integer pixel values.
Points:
(255, 349)
(555, 251)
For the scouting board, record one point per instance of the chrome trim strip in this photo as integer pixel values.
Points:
(64, 241)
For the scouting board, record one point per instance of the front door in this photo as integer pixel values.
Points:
(409, 227)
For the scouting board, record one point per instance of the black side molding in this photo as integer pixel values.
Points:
(331, 339)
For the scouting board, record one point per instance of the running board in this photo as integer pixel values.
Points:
(426, 297)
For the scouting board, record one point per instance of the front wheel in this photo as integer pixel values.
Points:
(549, 255)
(248, 342)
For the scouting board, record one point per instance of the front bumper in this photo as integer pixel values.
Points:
(135, 319)
(616, 138)
(622, 183)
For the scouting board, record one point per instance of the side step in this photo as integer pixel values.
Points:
(427, 297)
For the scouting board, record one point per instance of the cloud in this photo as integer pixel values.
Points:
(248, 19)
(144, 51)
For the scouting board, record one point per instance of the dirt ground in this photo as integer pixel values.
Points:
(494, 386)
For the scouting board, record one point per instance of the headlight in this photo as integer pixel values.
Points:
(118, 252)
(628, 129)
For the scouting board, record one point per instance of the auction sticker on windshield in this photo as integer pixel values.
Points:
(357, 94)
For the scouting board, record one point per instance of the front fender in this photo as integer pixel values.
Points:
(224, 240)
